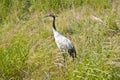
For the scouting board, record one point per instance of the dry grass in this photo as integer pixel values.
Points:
(28, 50)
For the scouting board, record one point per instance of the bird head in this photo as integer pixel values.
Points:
(51, 15)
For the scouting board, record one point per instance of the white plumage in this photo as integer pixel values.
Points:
(63, 43)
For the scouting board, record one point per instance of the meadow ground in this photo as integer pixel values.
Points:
(28, 50)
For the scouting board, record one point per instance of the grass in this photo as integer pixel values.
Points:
(28, 50)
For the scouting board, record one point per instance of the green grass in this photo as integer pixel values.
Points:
(28, 50)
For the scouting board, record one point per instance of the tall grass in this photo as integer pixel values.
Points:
(28, 50)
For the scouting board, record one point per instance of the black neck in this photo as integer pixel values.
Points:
(54, 23)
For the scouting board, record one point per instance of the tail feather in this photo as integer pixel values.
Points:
(72, 52)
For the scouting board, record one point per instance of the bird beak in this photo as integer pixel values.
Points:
(46, 16)
(49, 16)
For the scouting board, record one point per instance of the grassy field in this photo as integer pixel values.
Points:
(28, 50)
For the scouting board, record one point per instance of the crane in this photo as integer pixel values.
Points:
(63, 43)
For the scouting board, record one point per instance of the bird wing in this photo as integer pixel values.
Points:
(63, 43)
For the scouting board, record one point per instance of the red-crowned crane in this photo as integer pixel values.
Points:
(63, 43)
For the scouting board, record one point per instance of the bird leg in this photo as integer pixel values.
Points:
(64, 56)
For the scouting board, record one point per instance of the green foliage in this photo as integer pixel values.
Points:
(28, 50)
